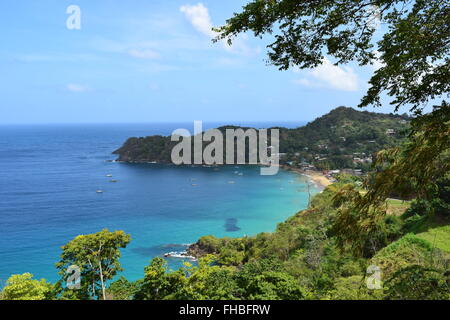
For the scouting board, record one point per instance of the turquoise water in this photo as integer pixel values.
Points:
(48, 181)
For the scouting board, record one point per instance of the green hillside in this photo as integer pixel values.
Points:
(343, 138)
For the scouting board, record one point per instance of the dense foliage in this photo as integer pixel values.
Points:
(24, 287)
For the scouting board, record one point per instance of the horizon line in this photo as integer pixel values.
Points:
(150, 122)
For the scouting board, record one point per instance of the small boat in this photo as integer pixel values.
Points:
(231, 182)
(194, 184)
(99, 191)
(109, 175)
(113, 180)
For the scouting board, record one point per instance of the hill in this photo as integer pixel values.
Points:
(343, 138)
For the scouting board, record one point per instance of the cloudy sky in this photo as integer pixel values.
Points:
(153, 60)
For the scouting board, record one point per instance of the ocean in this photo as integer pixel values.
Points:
(49, 175)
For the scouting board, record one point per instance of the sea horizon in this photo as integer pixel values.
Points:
(266, 123)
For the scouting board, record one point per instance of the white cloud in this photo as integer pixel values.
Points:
(374, 20)
(377, 63)
(329, 75)
(74, 87)
(198, 16)
(143, 54)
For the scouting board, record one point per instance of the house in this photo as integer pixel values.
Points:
(353, 172)
(390, 131)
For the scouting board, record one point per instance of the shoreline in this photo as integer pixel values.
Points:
(316, 177)
(195, 249)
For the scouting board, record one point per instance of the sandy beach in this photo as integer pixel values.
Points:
(316, 176)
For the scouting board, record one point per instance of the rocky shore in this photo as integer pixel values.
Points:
(199, 249)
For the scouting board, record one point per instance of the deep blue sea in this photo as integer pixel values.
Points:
(49, 175)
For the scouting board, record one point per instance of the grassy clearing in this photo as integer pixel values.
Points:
(397, 207)
(438, 237)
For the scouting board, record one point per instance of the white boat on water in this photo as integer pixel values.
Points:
(99, 191)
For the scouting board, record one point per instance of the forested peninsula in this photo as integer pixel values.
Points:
(343, 138)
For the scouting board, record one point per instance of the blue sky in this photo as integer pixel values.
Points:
(152, 61)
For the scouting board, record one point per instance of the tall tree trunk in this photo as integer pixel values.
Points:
(93, 280)
(101, 279)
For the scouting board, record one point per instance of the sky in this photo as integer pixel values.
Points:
(153, 61)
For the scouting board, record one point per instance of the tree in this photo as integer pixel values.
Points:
(273, 285)
(413, 53)
(158, 284)
(97, 255)
(414, 169)
(24, 287)
(413, 56)
(417, 282)
(122, 289)
(209, 281)
(353, 288)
